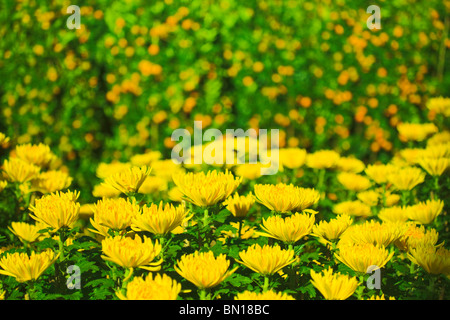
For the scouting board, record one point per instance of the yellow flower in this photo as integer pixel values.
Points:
(165, 169)
(161, 287)
(153, 185)
(3, 185)
(439, 105)
(175, 195)
(57, 210)
(334, 286)
(289, 229)
(369, 197)
(239, 205)
(415, 236)
(250, 171)
(285, 198)
(266, 260)
(436, 151)
(433, 260)
(353, 181)
(379, 172)
(145, 159)
(51, 181)
(373, 297)
(17, 170)
(434, 166)
(354, 208)
(129, 180)
(406, 178)
(206, 190)
(37, 154)
(26, 267)
(292, 158)
(373, 232)
(332, 230)
(130, 252)
(322, 159)
(425, 212)
(247, 232)
(3, 140)
(393, 214)
(266, 295)
(359, 257)
(416, 131)
(159, 220)
(26, 232)
(105, 191)
(350, 164)
(113, 213)
(410, 155)
(439, 138)
(106, 169)
(203, 269)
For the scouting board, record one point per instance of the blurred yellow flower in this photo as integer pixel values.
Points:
(130, 252)
(3, 140)
(239, 205)
(354, 208)
(250, 171)
(289, 229)
(175, 194)
(3, 185)
(416, 131)
(284, 198)
(425, 212)
(379, 172)
(440, 105)
(433, 260)
(206, 190)
(159, 219)
(373, 232)
(37, 154)
(26, 267)
(106, 169)
(332, 230)
(266, 295)
(203, 269)
(266, 260)
(434, 166)
(26, 232)
(334, 286)
(353, 181)
(105, 191)
(153, 185)
(360, 256)
(415, 236)
(51, 181)
(292, 158)
(406, 178)
(322, 159)
(145, 159)
(17, 170)
(160, 287)
(113, 213)
(350, 164)
(165, 169)
(128, 181)
(439, 138)
(369, 197)
(393, 214)
(57, 210)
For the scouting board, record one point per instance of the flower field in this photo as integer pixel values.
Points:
(93, 205)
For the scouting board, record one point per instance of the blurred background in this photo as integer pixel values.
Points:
(137, 70)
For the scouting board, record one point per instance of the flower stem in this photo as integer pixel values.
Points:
(266, 283)
(202, 294)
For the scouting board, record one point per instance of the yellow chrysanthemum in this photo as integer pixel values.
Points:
(439, 138)
(130, 252)
(26, 267)
(360, 256)
(165, 169)
(206, 190)
(57, 210)
(425, 212)
(322, 159)
(406, 178)
(105, 191)
(434, 166)
(105, 170)
(113, 213)
(416, 131)
(354, 208)
(26, 232)
(153, 185)
(145, 159)
(249, 171)
(332, 230)
(334, 286)
(292, 158)
(247, 232)
(374, 297)
(415, 236)
(369, 197)
(266, 260)
(239, 205)
(51, 181)
(350, 164)
(284, 198)
(3, 140)
(289, 229)
(440, 105)
(159, 220)
(203, 269)
(393, 214)
(373, 232)
(353, 181)
(433, 260)
(266, 295)
(128, 181)
(37, 154)
(17, 170)
(379, 172)
(161, 287)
